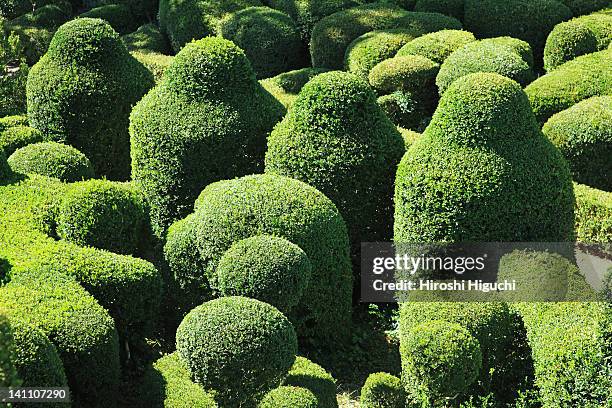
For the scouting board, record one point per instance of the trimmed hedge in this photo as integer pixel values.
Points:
(82, 91)
(374, 47)
(147, 39)
(580, 7)
(19, 136)
(484, 56)
(52, 159)
(8, 373)
(306, 374)
(437, 46)
(593, 215)
(119, 16)
(404, 110)
(332, 35)
(409, 136)
(494, 175)
(231, 210)
(286, 86)
(5, 169)
(583, 134)
(267, 268)
(289, 397)
(142, 10)
(233, 335)
(411, 73)
(268, 37)
(156, 63)
(12, 121)
(382, 390)
(582, 35)
(206, 121)
(336, 116)
(521, 47)
(81, 330)
(453, 8)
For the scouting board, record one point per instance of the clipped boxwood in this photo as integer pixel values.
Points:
(494, 175)
(267, 268)
(336, 117)
(119, 16)
(580, 7)
(12, 121)
(289, 397)
(583, 134)
(593, 215)
(8, 373)
(156, 63)
(81, 330)
(332, 35)
(437, 46)
(206, 121)
(286, 86)
(374, 47)
(82, 91)
(311, 376)
(404, 110)
(409, 136)
(15, 137)
(147, 39)
(142, 10)
(521, 47)
(382, 390)
(5, 169)
(233, 335)
(268, 37)
(52, 159)
(232, 210)
(452, 8)
(582, 35)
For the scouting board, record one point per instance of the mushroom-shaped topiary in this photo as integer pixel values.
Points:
(239, 347)
(306, 374)
(52, 159)
(437, 46)
(267, 268)
(82, 91)
(289, 397)
(206, 121)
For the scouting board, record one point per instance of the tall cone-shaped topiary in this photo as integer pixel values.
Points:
(82, 90)
(483, 171)
(206, 121)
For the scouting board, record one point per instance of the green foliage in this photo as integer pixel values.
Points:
(232, 210)
(118, 16)
(453, 8)
(286, 86)
(5, 169)
(583, 134)
(8, 373)
(52, 159)
(306, 374)
(521, 47)
(440, 360)
(412, 73)
(13, 74)
(593, 215)
(82, 91)
(437, 46)
(332, 35)
(142, 10)
(484, 56)
(81, 330)
(404, 110)
(289, 397)
(494, 175)
(409, 136)
(12, 121)
(266, 268)
(336, 116)
(580, 36)
(233, 335)
(19, 136)
(156, 63)
(207, 120)
(374, 47)
(382, 390)
(269, 38)
(580, 7)
(147, 39)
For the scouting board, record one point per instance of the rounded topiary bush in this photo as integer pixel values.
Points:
(286, 86)
(371, 48)
(239, 347)
(267, 268)
(206, 121)
(484, 56)
(269, 38)
(15, 137)
(497, 178)
(306, 374)
(521, 47)
(119, 16)
(102, 214)
(439, 360)
(382, 390)
(82, 91)
(147, 39)
(437, 46)
(452, 8)
(336, 117)
(289, 397)
(404, 110)
(8, 373)
(52, 159)
(583, 134)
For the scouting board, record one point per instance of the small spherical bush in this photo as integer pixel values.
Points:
(306, 374)
(52, 159)
(102, 214)
(382, 390)
(269, 38)
(371, 48)
(437, 46)
(239, 347)
(583, 134)
(439, 360)
(15, 137)
(289, 397)
(267, 268)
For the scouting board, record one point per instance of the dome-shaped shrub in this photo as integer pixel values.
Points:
(404, 110)
(289, 397)
(267, 268)
(521, 47)
(593, 215)
(439, 360)
(268, 37)
(12, 121)
(82, 91)
(371, 48)
(452, 8)
(15, 137)
(306, 374)
(52, 159)
(286, 86)
(239, 347)
(484, 56)
(8, 373)
(119, 16)
(229, 211)
(437, 46)
(337, 139)
(497, 178)
(207, 120)
(583, 134)
(580, 7)
(382, 390)
(147, 39)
